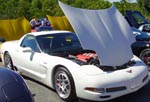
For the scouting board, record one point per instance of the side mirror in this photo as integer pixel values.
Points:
(27, 49)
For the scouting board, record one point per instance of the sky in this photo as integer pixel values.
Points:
(120, 0)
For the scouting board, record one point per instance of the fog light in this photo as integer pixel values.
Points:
(98, 90)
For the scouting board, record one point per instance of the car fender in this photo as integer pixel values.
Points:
(77, 71)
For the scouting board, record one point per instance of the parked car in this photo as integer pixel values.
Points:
(95, 63)
(57, 59)
(137, 20)
(2, 40)
(42, 28)
(13, 87)
(141, 47)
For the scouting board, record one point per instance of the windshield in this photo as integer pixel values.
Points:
(58, 43)
(140, 19)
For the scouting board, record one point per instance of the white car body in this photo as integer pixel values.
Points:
(108, 69)
(42, 66)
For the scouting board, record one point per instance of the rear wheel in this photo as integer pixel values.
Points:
(64, 84)
(145, 56)
(8, 62)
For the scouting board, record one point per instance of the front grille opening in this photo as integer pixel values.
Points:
(107, 96)
(114, 68)
(145, 78)
(114, 89)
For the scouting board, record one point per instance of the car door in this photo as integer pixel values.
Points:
(29, 57)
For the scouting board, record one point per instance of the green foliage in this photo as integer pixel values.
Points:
(144, 6)
(11, 9)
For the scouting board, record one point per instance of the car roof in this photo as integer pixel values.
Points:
(48, 32)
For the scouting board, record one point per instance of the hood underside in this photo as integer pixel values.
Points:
(104, 31)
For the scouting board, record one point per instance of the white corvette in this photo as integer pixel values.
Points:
(96, 63)
(56, 59)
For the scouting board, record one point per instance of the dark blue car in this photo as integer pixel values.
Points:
(137, 20)
(141, 47)
(42, 28)
(13, 87)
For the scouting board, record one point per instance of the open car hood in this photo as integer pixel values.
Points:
(104, 31)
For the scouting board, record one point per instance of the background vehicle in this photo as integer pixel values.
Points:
(2, 40)
(141, 47)
(137, 20)
(42, 28)
(13, 87)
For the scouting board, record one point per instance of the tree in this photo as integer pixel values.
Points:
(10, 9)
(49, 7)
(23, 8)
(145, 6)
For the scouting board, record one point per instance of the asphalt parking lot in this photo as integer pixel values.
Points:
(43, 93)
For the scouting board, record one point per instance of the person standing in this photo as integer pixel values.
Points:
(45, 22)
(34, 23)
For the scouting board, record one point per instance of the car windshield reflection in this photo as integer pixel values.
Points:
(53, 43)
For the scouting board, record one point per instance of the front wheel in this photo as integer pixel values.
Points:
(145, 56)
(64, 84)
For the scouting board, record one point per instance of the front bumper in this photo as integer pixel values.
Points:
(115, 84)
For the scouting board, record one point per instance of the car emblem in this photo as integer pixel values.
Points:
(129, 71)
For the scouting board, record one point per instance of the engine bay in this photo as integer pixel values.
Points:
(89, 57)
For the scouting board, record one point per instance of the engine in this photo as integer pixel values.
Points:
(90, 58)
(82, 57)
(86, 58)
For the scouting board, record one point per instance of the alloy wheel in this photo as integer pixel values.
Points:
(62, 84)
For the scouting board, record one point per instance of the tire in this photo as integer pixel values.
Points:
(8, 61)
(145, 56)
(64, 84)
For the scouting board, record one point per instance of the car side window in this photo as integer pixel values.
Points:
(30, 41)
